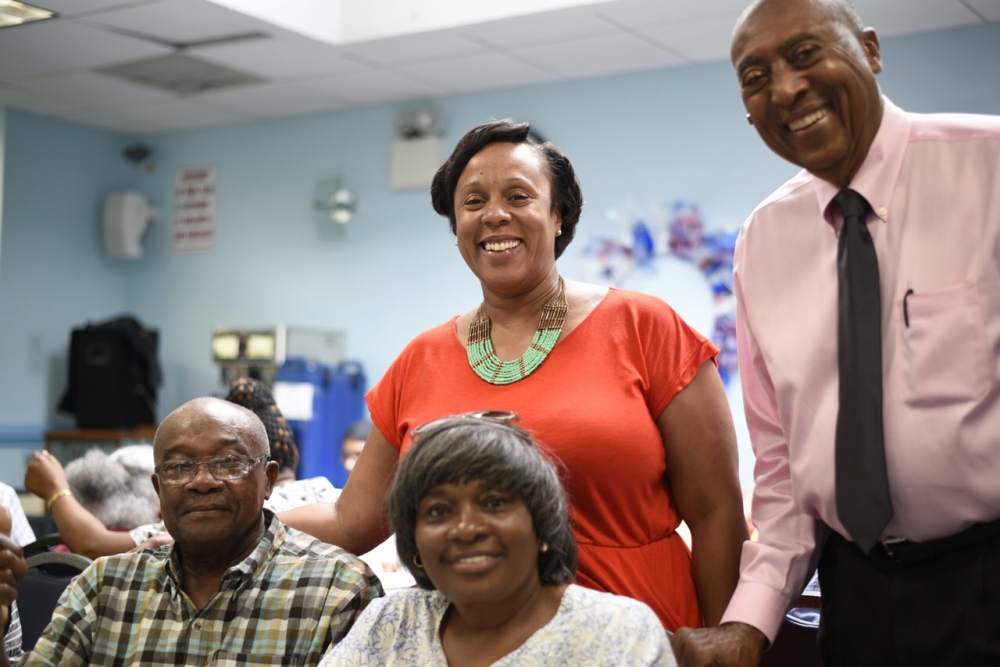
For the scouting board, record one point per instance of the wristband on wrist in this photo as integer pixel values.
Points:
(56, 496)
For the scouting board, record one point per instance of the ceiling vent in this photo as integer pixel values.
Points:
(180, 74)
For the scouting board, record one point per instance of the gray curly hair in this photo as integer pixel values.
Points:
(116, 488)
(458, 450)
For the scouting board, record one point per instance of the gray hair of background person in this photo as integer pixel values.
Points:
(504, 458)
(116, 488)
(566, 194)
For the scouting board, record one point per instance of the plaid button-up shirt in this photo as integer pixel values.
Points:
(283, 605)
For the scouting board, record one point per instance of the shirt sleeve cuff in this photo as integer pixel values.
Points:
(758, 605)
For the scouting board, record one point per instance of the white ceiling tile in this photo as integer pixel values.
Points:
(271, 101)
(282, 57)
(697, 41)
(45, 67)
(64, 44)
(41, 107)
(598, 56)
(90, 88)
(988, 9)
(640, 13)
(115, 119)
(16, 65)
(180, 20)
(373, 87)
(21, 99)
(483, 72)
(540, 29)
(890, 18)
(410, 49)
(170, 116)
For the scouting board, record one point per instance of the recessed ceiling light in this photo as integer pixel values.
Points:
(16, 13)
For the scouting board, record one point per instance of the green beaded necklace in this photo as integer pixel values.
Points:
(484, 360)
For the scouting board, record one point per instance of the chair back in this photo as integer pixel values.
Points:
(43, 544)
(49, 573)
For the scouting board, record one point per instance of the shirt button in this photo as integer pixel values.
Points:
(197, 626)
(883, 211)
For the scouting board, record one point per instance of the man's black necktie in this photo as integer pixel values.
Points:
(863, 503)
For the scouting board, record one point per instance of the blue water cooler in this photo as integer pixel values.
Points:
(337, 396)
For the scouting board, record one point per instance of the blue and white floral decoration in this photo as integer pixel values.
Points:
(674, 231)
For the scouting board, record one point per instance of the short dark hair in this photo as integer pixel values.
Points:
(359, 430)
(566, 194)
(503, 457)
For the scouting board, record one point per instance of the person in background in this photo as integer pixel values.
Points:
(868, 303)
(235, 586)
(290, 491)
(115, 486)
(625, 393)
(353, 443)
(81, 531)
(382, 559)
(9, 618)
(20, 529)
(483, 525)
(14, 524)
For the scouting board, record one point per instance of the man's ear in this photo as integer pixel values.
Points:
(869, 40)
(156, 483)
(271, 471)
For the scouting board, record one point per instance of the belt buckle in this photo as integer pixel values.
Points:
(889, 542)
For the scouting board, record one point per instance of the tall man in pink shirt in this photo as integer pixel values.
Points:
(926, 590)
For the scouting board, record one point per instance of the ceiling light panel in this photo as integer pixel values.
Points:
(15, 13)
(180, 74)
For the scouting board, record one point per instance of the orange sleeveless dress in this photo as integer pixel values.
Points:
(593, 402)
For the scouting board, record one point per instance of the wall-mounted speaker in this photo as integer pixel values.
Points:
(127, 214)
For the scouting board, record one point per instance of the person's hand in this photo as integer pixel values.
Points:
(45, 476)
(153, 542)
(728, 645)
(6, 522)
(12, 569)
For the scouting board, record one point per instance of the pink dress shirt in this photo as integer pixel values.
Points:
(933, 182)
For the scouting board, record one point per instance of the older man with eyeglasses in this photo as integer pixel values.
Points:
(236, 585)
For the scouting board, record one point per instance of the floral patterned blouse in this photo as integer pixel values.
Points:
(590, 628)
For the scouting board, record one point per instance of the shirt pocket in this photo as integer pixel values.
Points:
(944, 351)
(234, 659)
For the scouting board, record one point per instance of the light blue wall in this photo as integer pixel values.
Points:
(53, 276)
(52, 272)
(648, 138)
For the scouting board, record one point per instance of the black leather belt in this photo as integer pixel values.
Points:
(905, 552)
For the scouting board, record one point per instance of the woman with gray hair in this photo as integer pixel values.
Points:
(482, 522)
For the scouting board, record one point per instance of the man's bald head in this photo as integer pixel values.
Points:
(841, 9)
(187, 416)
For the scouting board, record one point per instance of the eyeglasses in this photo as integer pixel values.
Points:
(223, 468)
(499, 416)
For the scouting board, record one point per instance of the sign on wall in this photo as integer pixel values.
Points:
(194, 209)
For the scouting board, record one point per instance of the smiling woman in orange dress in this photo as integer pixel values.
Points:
(623, 391)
